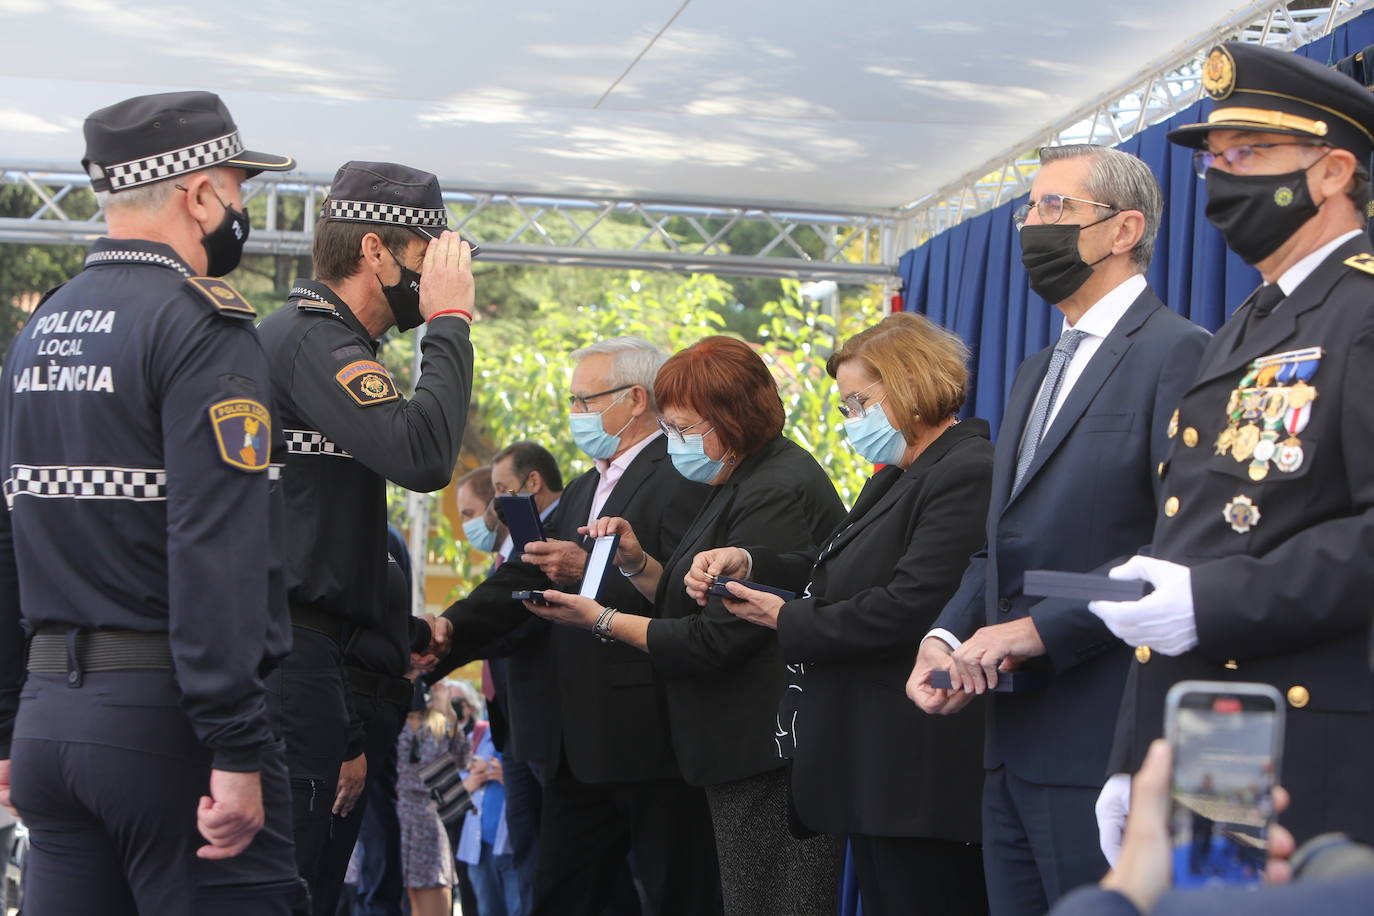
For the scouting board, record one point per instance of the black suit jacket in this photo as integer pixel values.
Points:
(609, 720)
(724, 675)
(1287, 601)
(1088, 499)
(867, 760)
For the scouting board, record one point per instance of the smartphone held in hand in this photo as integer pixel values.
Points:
(1227, 739)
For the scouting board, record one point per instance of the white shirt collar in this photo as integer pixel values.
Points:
(1102, 316)
(627, 456)
(1292, 278)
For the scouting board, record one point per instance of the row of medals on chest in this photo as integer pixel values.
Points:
(1268, 409)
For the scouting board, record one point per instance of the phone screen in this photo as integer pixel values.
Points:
(1226, 753)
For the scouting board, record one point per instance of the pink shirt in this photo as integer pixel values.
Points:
(611, 472)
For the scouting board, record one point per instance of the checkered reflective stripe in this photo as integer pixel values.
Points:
(127, 175)
(85, 482)
(309, 442)
(135, 257)
(368, 212)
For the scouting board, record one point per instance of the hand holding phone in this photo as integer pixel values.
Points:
(1227, 741)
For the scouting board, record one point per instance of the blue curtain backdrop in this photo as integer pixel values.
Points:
(970, 279)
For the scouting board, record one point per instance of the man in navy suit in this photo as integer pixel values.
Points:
(1074, 487)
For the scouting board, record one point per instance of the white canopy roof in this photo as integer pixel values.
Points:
(859, 104)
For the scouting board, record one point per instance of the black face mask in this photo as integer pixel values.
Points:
(1050, 255)
(1258, 213)
(224, 246)
(404, 298)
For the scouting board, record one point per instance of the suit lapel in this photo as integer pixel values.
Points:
(1095, 374)
(1281, 323)
(640, 470)
(1019, 404)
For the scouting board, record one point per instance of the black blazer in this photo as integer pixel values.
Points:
(1088, 500)
(723, 675)
(609, 717)
(1285, 600)
(867, 759)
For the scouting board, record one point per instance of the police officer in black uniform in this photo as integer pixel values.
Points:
(382, 259)
(1261, 557)
(138, 550)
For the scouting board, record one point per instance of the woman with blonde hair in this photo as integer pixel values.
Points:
(903, 787)
(430, 732)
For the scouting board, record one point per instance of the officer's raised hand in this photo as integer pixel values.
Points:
(446, 282)
(231, 815)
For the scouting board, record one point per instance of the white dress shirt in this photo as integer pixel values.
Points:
(612, 471)
(1290, 278)
(1096, 323)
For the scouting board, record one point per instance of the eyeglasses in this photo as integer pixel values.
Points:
(679, 433)
(579, 402)
(855, 405)
(1240, 159)
(1051, 209)
(503, 490)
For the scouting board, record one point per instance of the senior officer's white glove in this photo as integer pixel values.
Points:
(1163, 619)
(1113, 804)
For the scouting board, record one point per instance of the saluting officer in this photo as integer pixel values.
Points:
(138, 550)
(383, 259)
(1261, 553)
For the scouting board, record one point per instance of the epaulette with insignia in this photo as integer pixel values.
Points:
(307, 300)
(222, 296)
(1361, 261)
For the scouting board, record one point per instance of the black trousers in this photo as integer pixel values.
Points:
(306, 697)
(380, 890)
(108, 774)
(587, 831)
(1039, 843)
(901, 876)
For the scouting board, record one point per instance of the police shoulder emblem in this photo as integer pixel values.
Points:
(243, 432)
(1219, 73)
(1361, 261)
(222, 296)
(367, 382)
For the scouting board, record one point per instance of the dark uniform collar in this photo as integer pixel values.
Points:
(136, 251)
(314, 296)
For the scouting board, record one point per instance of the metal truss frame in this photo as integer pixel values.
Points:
(530, 228)
(1150, 96)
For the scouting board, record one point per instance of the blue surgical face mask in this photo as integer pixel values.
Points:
(479, 535)
(690, 458)
(590, 435)
(874, 437)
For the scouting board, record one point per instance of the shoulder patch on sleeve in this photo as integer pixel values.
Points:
(1361, 261)
(222, 296)
(367, 382)
(243, 432)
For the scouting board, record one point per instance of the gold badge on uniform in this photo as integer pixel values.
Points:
(1173, 425)
(1219, 73)
(243, 430)
(1273, 397)
(367, 382)
(1241, 514)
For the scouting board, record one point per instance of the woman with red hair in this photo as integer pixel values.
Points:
(720, 409)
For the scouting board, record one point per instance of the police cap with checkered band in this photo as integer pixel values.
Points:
(387, 194)
(1275, 92)
(152, 137)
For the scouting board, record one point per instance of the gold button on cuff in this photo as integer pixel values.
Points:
(1142, 654)
(1231, 665)
(1298, 697)
(1171, 506)
(1161, 469)
(1190, 437)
